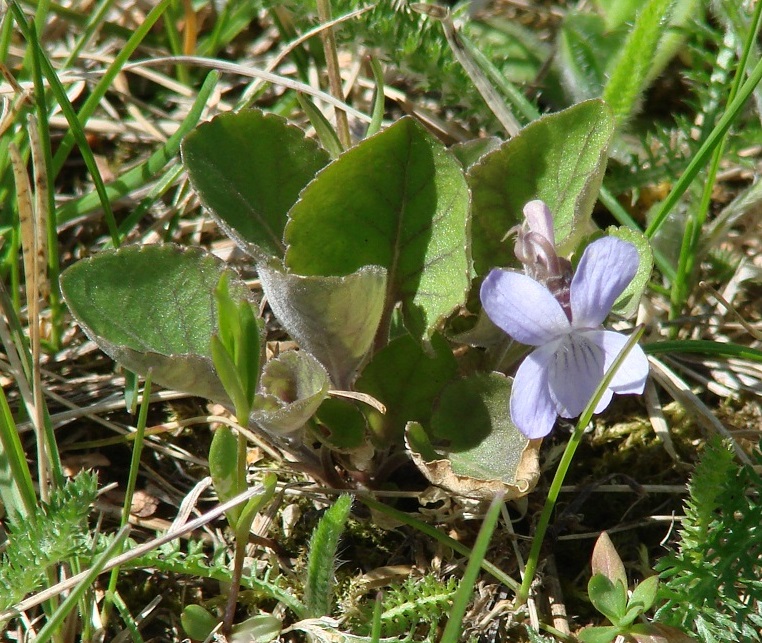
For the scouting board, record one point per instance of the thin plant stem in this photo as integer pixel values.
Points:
(334, 73)
(129, 493)
(462, 597)
(563, 468)
(437, 535)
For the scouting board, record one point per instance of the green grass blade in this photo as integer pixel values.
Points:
(16, 485)
(690, 248)
(466, 586)
(95, 19)
(76, 130)
(129, 493)
(107, 80)
(139, 175)
(705, 151)
(704, 347)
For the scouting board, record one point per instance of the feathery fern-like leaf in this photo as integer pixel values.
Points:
(712, 582)
(56, 531)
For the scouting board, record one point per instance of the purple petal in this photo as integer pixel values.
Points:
(604, 401)
(532, 409)
(540, 220)
(523, 308)
(606, 268)
(631, 375)
(575, 372)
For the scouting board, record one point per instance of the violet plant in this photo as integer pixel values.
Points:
(369, 262)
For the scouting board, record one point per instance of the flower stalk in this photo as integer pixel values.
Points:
(565, 462)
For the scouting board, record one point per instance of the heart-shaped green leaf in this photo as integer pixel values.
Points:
(153, 307)
(407, 380)
(560, 159)
(333, 318)
(292, 387)
(483, 452)
(343, 422)
(248, 168)
(398, 200)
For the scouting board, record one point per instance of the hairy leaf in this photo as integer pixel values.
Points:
(397, 200)
(333, 318)
(407, 380)
(559, 159)
(248, 168)
(483, 453)
(153, 307)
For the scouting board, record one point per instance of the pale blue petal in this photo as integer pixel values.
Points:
(532, 409)
(604, 401)
(523, 308)
(631, 375)
(605, 270)
(574, 373)
(540, 220)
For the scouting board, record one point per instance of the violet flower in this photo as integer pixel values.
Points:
(563, 320)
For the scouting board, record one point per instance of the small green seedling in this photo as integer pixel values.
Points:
(609, 595)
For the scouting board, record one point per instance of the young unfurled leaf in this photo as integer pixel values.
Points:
(397, 200)
(292, 387)
(248, 168)
(235, 349)
(153, 307)
(333, 318)
(559, 159)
